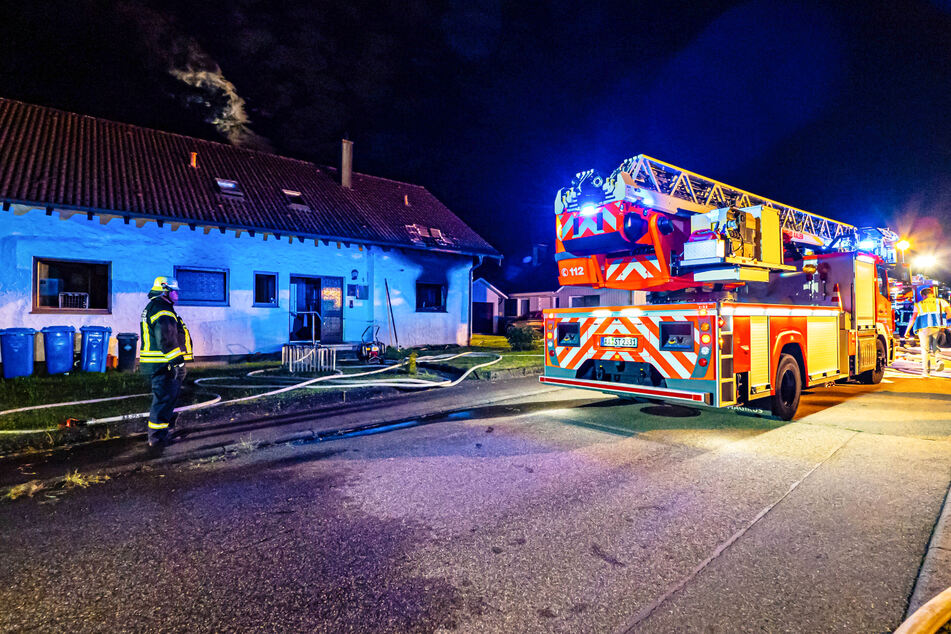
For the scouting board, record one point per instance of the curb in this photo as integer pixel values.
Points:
(934, 576)
(308, 436)
(489, 374)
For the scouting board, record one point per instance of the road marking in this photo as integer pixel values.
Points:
(719, 550)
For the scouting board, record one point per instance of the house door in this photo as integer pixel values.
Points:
(482, 313)
(331, 309)
(305, 317)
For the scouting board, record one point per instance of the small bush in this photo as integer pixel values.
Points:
(521, 337)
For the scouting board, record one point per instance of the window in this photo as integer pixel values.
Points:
(202, 287)
(295, 200)
(523, 307)
(265, 289)
(229, 188)
(584, 301)
(70, 286)
(430, 298)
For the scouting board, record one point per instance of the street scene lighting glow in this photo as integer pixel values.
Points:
(902, 245)
(867, 244)
(925, 261)
(588, 210)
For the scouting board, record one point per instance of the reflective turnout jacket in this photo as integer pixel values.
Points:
(165, 338)
(930, 313)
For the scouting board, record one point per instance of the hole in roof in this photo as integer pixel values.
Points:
(229, 188)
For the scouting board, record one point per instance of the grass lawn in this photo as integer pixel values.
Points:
(81, 386)
(495, 342)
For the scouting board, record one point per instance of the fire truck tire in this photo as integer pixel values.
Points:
(874, 376)
(788, 387)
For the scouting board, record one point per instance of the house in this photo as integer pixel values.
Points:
(531, 284)
(266, 248)
(488, 302)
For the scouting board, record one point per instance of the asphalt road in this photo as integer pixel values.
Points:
(562, 512)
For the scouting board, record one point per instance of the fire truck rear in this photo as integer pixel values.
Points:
(748, 299)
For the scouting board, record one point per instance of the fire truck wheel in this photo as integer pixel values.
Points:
(874, 377)
(788, 388)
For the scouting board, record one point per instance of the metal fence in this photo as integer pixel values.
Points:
(306, 357)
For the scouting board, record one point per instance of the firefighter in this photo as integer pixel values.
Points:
(166, 346)
(927, 319)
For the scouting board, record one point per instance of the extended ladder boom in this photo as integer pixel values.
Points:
(653, 226)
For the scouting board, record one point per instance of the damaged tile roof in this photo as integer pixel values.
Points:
(61, 160)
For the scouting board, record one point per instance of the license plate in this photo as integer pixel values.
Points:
(618, 342)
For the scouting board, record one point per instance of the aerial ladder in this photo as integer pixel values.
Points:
(748, 298)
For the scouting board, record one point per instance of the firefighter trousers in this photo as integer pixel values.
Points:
(925, 340)
(166, 385)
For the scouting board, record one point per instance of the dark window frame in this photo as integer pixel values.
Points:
(444, 293)
(203, 302)
(35, 288)
(254, 290)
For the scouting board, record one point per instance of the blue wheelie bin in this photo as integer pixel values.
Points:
(95, 347)
(58, 346)
(16, 348)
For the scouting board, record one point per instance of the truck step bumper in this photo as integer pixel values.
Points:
(698, 398)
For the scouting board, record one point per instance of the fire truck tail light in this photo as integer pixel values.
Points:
(705, 338)
(703, 363)
(721, 321)
(704, 326)
(705, 350)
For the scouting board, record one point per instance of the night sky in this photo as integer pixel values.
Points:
(841, 110)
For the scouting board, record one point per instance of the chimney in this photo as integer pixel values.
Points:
(193, 160)
(346, 163)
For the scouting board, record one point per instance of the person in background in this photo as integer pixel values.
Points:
(166, 346)
(927, 319)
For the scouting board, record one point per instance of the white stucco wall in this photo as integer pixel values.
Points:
(138, 255)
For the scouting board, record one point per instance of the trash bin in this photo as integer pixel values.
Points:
(95, 347)
(58, 347)
(128, 342)
(16, 349)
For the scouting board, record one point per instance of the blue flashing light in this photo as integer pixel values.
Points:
(588, 209)
(867, 244)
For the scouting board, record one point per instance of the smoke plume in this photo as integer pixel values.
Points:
(185, 60)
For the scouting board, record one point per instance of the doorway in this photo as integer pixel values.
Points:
(316, 309)
(483, 318)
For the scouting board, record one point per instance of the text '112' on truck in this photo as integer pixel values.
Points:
(747, 298)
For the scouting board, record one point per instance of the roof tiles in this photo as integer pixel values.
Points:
(59, 159)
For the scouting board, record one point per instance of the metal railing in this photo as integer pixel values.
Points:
(314, 317)
(308, 357)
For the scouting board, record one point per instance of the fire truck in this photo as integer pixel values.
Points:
(749, 301)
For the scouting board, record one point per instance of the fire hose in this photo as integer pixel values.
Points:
(334, 381)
